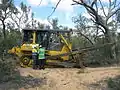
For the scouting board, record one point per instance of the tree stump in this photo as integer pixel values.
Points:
(79, 58)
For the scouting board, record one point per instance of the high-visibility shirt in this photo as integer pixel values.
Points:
(41, 53)
(34, 50)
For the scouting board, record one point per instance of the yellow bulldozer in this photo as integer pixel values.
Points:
(56, 42)
(58, 48)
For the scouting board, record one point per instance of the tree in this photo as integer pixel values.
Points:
(83, 28)
(6, 9)
(118, 16)
(63, 27)
(93, 8)
(102, 21)
(21, 16)
(55, 23)
(40, 26)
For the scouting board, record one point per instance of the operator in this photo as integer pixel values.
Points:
(41, 57)
(34, 57)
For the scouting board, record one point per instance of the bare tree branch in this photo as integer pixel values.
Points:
(93, 3)
(114, 4)
(111, 14)
(40, 2)
(15, 21)
(98, 26)
(86, 37)
(96, 7)
(118, 4)
(1, 19)
(102, 8)
(48, 18)
(91, 10)
(96, 33)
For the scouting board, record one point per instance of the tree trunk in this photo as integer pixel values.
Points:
(4, 33)
(110, 49)
(4, 36)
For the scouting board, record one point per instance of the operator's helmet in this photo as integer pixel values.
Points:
(33, 46)
(40, 46)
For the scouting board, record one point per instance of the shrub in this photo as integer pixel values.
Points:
(7, 69)
(114, 83)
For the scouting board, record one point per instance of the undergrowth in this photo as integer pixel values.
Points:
(114, 83)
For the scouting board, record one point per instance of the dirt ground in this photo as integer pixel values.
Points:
(71, 78)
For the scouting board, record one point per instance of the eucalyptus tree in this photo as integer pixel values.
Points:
(22, 16)
(55, 23)
(6, 8)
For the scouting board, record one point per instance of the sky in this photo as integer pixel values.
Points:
(64, 12)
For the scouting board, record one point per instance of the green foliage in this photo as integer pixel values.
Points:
(80, 21)
(6, 8)
(11, 79)
(79, 42)
(7, 70)
(23, 7)
(98, 57)
(114, 83)
(90, 33)
(40, 26)
(13, 39)
(55, 23)
(118, 16)
(8, 64)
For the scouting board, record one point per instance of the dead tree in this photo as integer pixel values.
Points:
(102, 21)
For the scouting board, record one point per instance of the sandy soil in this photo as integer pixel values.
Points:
(71, 78)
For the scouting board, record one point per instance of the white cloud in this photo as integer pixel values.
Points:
(66, 9)
(37, 2)
(43, 21)
(64, 5)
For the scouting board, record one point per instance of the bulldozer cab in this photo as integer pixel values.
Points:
(28, 37)
(50, 39)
